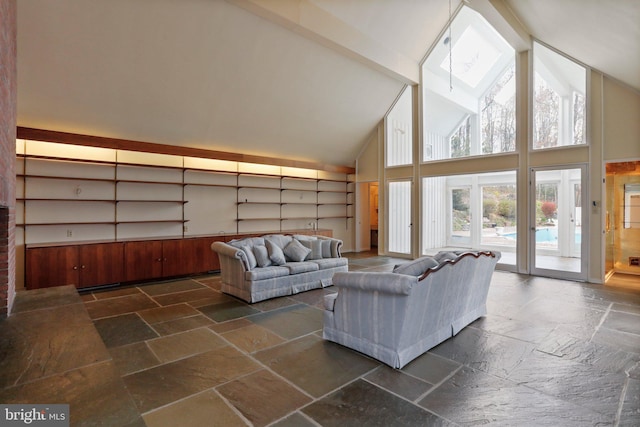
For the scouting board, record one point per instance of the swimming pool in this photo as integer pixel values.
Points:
(545, 235)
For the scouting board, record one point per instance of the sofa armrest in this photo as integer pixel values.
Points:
(390, 283)
(336, 245)
(228, 251)
(330, 301)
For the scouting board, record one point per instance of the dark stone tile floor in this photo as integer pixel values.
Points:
(180, 353)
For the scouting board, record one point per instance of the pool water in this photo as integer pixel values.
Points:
(545, 235)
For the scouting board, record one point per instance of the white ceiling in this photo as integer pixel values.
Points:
(296, 79)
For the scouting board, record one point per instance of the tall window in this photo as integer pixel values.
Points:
(469, 92)
(558, 100)
(400, 217)
(470, 211)
(399, 131)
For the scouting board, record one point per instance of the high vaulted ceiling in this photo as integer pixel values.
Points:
(296, 79)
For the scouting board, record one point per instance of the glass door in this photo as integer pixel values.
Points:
(557, 219)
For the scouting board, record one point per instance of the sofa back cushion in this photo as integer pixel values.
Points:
(316, 248)
(275, 253)
(262, 256)
(416, 267)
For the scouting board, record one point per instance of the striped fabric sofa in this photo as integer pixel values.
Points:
(258, 268)
(396, 316)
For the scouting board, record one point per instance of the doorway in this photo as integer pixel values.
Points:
(622, 230)
(557, 218)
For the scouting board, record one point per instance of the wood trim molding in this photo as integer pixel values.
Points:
(455, 261)
(149, 147)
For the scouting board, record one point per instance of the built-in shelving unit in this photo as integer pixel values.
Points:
(80, 193)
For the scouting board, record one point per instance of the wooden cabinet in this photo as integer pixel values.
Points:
(95, 264)
(79, 265)
(142, 260)
(169, 258)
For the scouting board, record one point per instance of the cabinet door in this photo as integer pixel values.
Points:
(205, 259)
(177, 257)
(54, 266)
(143, 260)
(101, 264)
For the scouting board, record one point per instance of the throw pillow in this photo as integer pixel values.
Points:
(316, 248)
(275, 253)
(262, 256)
(295, 251)
(251, 259)
(416, 267)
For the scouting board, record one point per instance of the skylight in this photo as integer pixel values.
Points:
(473, 57)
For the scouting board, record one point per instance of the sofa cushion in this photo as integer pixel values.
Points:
(275, 253)
(251, 259)
(265, 273)
(316, 249)
(326, 263)
(326, 248)
(417, 266)
(262, 256)
(301, 267)
(295, 251)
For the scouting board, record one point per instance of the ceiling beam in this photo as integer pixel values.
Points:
(498, 14)
(310, 21)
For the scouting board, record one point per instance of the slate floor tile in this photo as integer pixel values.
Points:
(183, 344)
(398, 382)
(186, 296)
(263, 397)
(363, 404)
(165, 314)
(182, 324)
(252, 338)
(170, 287)
(37, 299)
(203, 409)
(623, 322)
(630, 411)
(295, 420)
(164, 384)
(125, 329)
(571, 381)
(315, 365)
(617, 339)
(121, 305)
(227, 311)
(483, 351)
(30, 349)
(513, 328)
(114, 293)
(473, 397)
(230, 325)
(563, 344)
(291, 322)
(133, 357)
(431, 368)
(95, 394)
